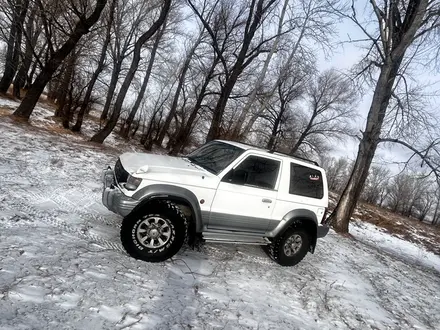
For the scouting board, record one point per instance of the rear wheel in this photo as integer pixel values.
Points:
(154, 233)
(290, 248)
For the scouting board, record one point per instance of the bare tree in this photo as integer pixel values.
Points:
(99, 68)
(399, 25)
(125, 129)
(408, 195)
(57, 56)
(183, 134)
(181, 81)
(31, 32)
(289, 89)
(376, 187)
(331, 102)
(261, 76)
(108, 128)
(123, 42)
(14, 44)
(251, 17)
(337, 171)
(313, 24)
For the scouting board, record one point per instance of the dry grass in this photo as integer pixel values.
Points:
(6, 111)
(409, 229)
(8, 95)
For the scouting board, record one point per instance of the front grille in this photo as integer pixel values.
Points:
(120, 173)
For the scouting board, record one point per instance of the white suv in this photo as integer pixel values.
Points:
(222, 192)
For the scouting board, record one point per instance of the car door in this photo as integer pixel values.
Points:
(246, 195)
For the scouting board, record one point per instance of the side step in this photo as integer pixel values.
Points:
(234, 238)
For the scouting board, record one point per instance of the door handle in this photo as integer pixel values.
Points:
(266, 200)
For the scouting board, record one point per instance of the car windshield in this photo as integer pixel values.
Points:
(215, 156)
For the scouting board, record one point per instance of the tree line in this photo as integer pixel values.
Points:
(177, 73)
(409, 192)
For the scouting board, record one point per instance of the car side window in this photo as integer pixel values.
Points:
(255, 171)
(305, 181)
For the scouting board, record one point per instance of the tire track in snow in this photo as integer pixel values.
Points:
(31, 213)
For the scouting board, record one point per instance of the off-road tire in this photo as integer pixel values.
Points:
(175, 220)
(276, 249)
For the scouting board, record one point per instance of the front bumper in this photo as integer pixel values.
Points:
(112, 196)
(322, 231)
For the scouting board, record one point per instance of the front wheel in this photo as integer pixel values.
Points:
(290, 248)
(154, 233)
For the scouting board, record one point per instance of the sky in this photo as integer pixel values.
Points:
(345, 55)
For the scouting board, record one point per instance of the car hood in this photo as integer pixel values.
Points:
(139, 164)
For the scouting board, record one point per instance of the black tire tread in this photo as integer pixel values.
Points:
(157, 207)
(275, 252)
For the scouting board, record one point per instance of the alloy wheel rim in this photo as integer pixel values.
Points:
(292, 245)
(154, 232)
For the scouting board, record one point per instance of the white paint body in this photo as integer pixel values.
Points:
(222, 197)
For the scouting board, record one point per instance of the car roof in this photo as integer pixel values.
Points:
(245, 146)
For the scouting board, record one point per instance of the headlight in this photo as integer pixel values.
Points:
(132, 183)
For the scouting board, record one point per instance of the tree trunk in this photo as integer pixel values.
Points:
(99, 68)
(304, 134)
(261, 76)
(108, 128)
(185, 130)
(182, 76)
(111, 88)
(20, 78)
(65, 85)
(289, 62)
(399, 42)
(68, 111)
(82, 27)
(14, 44)
(271, 144)
(127, 125)
(215, 128)
(367, 147)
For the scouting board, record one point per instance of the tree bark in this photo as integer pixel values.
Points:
(367, 147)
(101, 62)
(82, 27)
(108, 128)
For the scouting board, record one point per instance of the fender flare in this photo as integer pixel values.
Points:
(298, 215)
(173, 193)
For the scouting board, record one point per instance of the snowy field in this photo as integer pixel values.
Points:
(62, 265)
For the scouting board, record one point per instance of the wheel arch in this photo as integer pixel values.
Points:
(175, 194)
(300, 218)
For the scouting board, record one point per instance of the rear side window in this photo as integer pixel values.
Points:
(305, 181)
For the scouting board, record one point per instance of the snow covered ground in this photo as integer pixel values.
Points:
(62, 265)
